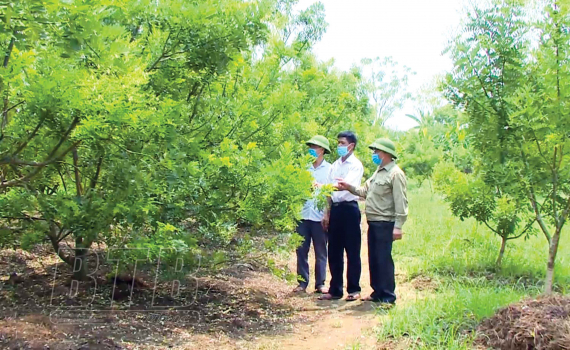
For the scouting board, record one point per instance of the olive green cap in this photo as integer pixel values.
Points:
(385, 145)
(321, 141)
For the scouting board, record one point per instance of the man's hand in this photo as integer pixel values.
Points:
(342, 185)
(317, 185)
(397, 234)
(325, 222)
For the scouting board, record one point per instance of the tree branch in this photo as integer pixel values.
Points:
(78, 188)
(65, 135)
(490, 228)
(565, 214)
(163, 52)
(540, 151)
(532, 198)
(528, 226)
(53, 237)
(36, 170)
(554, 186)
(96, 178)
(9, 52)
(195, 109)
(64, 236)
(32, 135)
(270, 120)
(62, 179)
(27, 218)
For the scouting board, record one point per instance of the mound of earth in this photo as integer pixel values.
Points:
(542, 323)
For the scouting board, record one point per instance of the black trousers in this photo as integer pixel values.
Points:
(312, 230)
(344, 235)
(380, 261)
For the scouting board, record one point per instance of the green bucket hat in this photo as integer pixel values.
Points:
(321, 141)
(385, 145)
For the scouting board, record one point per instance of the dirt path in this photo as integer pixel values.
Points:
(335, 324)
(324, 324)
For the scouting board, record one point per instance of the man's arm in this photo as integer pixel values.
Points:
(356, 190)
(399, 191)
(360, 191)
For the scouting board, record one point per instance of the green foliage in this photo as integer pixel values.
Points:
(419, 156)
(467, 248)
(470, 197)
(321, 195)
(514, 100)
(168, 124)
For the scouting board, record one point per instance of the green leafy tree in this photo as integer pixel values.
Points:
(470, 197)
(168, 124)
(89, 126)
(514, 98)
(419, 156)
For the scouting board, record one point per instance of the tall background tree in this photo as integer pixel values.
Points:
(513, 95)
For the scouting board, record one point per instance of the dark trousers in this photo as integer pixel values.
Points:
(312, 230)
(380, 261)
(344, 235)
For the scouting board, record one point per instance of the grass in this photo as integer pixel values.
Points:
(460, 256)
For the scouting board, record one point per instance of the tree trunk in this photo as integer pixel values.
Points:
(502, 251)
(80, 262)
(552, 251)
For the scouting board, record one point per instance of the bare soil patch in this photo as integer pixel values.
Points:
(542, 323)
(241, 307)
(40, 308)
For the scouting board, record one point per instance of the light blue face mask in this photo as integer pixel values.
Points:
(342, 150)
(313, 152)
(376, 159)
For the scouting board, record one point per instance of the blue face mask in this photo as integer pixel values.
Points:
(313, 152)
(376, 159)
(342, 150)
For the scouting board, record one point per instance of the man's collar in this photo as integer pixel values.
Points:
(350, 158)
(323, 163)
(389, 166)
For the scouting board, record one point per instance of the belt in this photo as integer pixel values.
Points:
(337, 204)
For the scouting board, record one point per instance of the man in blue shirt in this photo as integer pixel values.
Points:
(310, 227)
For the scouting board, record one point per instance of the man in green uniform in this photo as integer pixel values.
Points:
(386, 212)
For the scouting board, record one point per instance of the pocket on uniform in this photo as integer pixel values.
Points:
(382, 193)
(382, 186)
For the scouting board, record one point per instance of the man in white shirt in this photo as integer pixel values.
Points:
(310, 227)
(343, 222)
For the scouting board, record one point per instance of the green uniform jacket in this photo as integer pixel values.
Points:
(385, 194)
